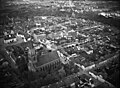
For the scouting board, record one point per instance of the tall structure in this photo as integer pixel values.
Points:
(1, 41)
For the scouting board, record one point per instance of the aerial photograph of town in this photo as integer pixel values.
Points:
(59, 43)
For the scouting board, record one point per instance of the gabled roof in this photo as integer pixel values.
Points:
(8, 38)
(49, 57)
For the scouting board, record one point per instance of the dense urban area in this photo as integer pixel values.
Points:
(59, 44)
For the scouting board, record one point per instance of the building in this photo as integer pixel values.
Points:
(10, 40)
(50, 61)
(1, 40)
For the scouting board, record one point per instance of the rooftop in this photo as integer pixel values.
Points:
(47, 58)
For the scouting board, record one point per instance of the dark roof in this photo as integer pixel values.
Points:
(26, 44)
(44, 59)
(7, 37)
(105, 85)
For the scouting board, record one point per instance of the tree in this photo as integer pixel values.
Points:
(62, 73)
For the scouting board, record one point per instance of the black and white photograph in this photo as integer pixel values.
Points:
(59, 43)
